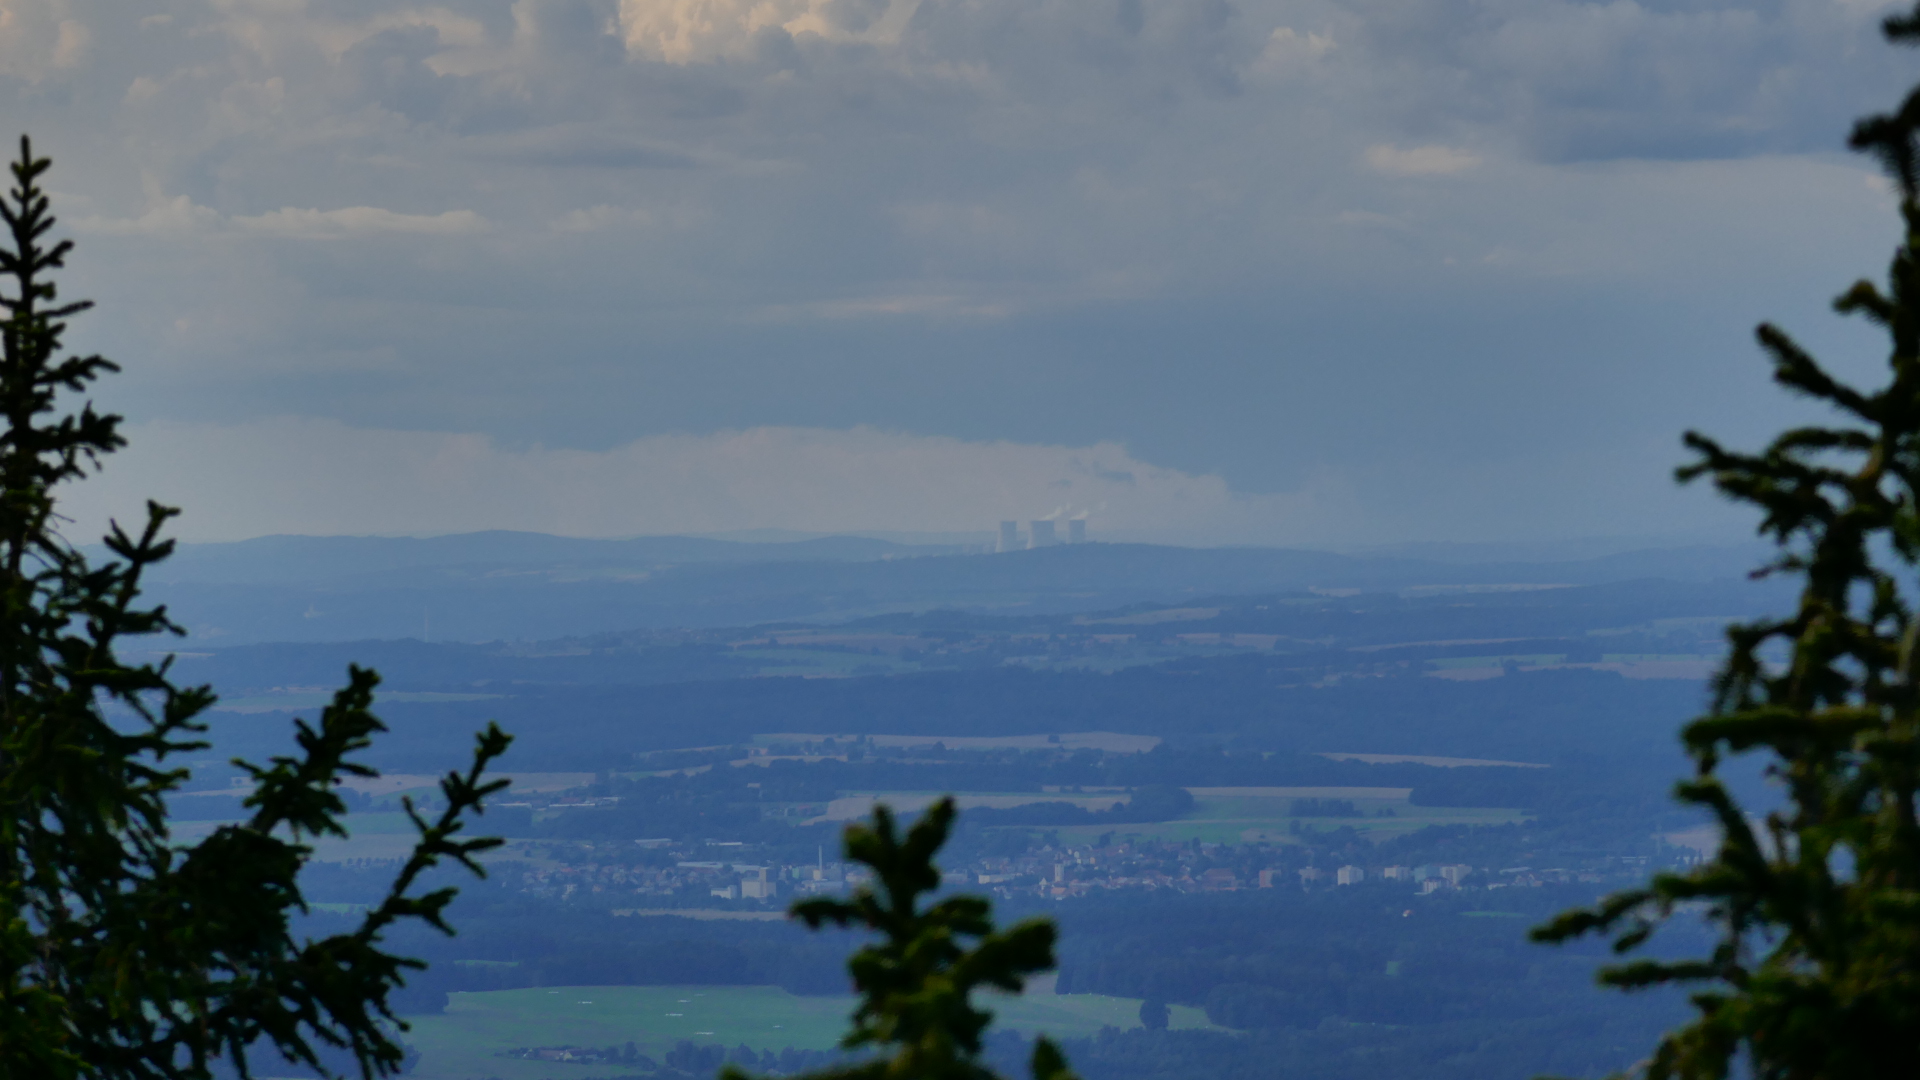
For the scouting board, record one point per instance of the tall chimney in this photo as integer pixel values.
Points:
(1077, 531)
(1042, 533)
(1009, 536)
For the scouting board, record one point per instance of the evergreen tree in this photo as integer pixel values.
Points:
(916, 983)
(1816, 973)
(122, 953)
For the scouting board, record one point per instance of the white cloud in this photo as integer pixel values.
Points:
(682, 31)
(172, 217)
(1420, 160)
(1288, 50)
(178, 216)
(321, 477)
(273, 32)
(359, 221)
(1048, 220)
(689, 31)
(39, 38)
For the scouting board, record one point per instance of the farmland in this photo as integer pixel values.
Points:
(467, 1041)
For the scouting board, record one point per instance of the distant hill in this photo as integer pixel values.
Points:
(525, 586)
(1539, 675)
(289, 559)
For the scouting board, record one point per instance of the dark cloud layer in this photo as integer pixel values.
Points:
(1479, 259)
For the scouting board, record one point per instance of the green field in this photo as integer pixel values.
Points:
(465, 1043)
(376, 835)
(1218, 819)
(1264, 819)
(1245, 819)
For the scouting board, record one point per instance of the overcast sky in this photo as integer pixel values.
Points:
(1292, 271)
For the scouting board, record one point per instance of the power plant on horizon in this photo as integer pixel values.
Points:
(1040, 533)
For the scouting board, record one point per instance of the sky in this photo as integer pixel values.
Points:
(1314, 272)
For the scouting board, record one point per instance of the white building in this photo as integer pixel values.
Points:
(1349, 875)
(757, 884)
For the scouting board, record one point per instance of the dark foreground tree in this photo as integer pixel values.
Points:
(123, 953)
(916, 983)
(1816, 973)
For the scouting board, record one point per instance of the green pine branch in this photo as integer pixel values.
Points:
(124, 954)
(1816, 970)
(916, 983)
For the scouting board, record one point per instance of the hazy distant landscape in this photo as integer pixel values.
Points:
(1309, 801)
(520, 586)
(1303, 492)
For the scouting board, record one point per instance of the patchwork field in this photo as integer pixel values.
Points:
(1231, 815)
(1109, 741)
(1265, 815)
(1219, 815)
(376, 835)
(848, 808)
(466, 1042)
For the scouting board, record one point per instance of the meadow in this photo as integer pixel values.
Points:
(465, 1043)
(1265, 816)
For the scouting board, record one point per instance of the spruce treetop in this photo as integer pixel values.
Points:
(1816, 972)
(124, 953)
(916, 982)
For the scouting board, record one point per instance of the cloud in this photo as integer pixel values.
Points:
(359, 221)
(293, 475)
(179, 216)
(571, 149)
(683, 31)
(40, 38)
(163, 217)
(1288, 51)
(602, 217)
(943, 307)
(690, 31)
(1213, 230)
(1420, 160)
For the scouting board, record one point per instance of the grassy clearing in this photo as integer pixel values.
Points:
(464, 1043)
